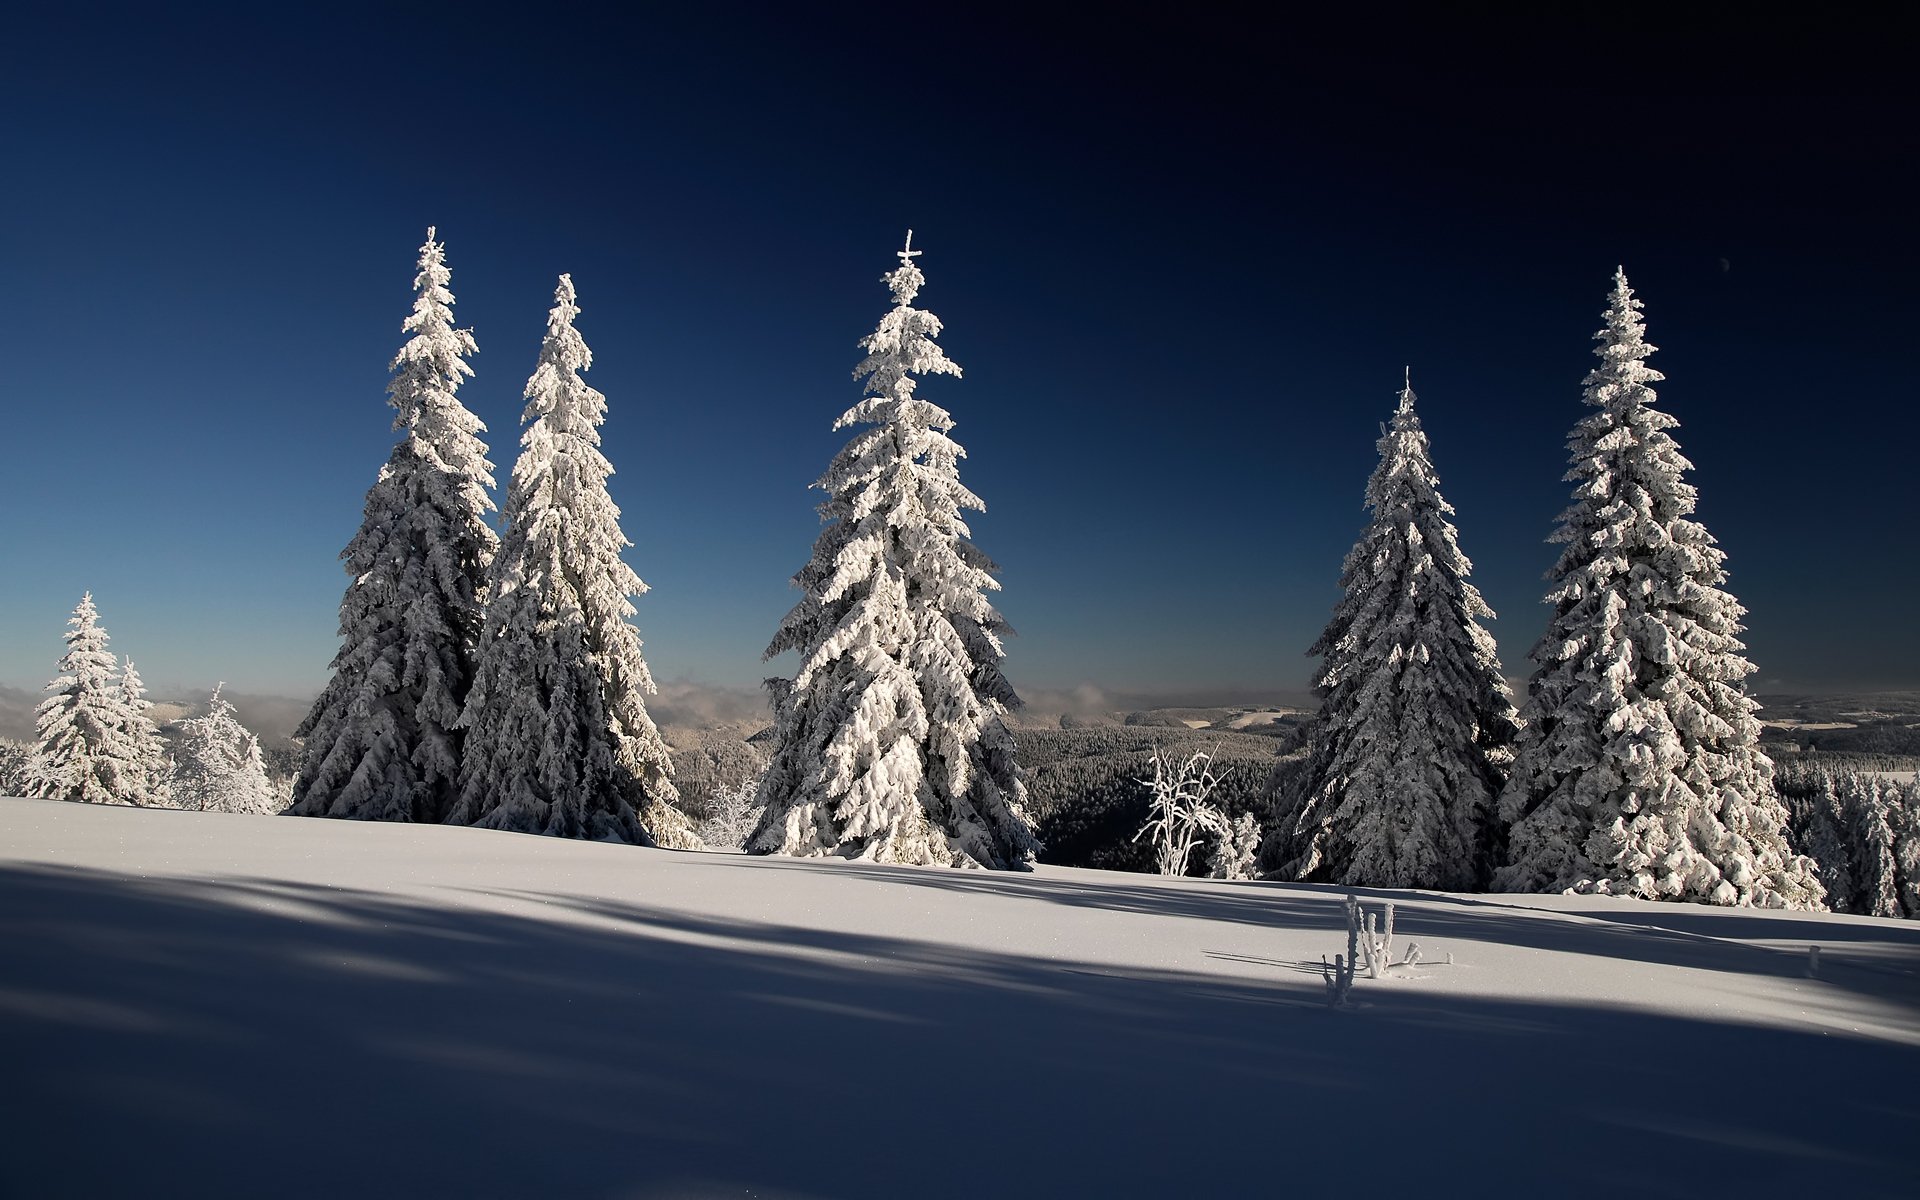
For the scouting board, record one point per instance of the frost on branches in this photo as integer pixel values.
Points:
(92, 744)
(1415, 728)
(890, 740)
(1638, 771)
(558, 740)
(1180, 819)
(380, 741)
(217, 765)
(731, 816)
(151, 774)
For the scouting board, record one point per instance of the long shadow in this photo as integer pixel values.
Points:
(1671, 935)
(254, 1038)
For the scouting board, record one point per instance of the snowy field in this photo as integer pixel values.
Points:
(211, 1005)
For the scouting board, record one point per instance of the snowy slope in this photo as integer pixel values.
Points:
(223, 1005)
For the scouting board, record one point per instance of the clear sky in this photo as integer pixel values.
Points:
(1182, 261)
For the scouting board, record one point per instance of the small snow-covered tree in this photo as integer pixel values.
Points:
(1414, 733)
(85, 749)
(16, 764)
(217, 765)
(380, 742)
(153, 771)
(731, 815)
(1236, 847)
(890, 741)
(558, 737)
(1638, 771)
(16, 767)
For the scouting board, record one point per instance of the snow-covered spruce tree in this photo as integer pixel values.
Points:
(1638, 770)
(1414, 734)
(84, 748)
(1871, 808)
(890, 740)
(558, 740)
(380, 741)
(1817, 827)
(1906, 828)
(217, 765)
(153, 771)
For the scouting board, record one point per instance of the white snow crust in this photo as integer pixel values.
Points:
(223, 1005)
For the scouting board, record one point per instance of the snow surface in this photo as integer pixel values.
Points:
(225, 1005)
(1254, 719)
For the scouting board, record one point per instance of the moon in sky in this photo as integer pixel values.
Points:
(1725, 266)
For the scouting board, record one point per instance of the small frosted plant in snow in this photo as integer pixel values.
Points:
(1376, 943)
(1369, 944)
(1180, 817)
(1339, 972)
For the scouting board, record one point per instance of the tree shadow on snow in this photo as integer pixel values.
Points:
(1878, 959)
(249, 1038)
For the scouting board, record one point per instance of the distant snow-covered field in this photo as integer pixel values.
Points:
(211, 1005)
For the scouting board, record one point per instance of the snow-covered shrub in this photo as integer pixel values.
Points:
(1088, 801)
(1179, 818)
(1235, 847)
(731, 815)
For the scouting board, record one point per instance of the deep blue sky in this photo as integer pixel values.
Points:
(1181, 259)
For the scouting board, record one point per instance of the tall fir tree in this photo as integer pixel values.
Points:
(380, 741)
(217, 763)
(558, 737)
(890, 740)
(1415, 730)
(1638, 771)
(152, 768)
(85, 747)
